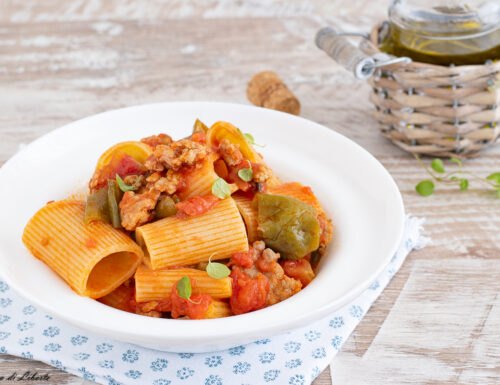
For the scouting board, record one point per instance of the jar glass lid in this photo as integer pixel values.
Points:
(446, 17)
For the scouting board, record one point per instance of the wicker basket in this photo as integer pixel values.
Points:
(436, 110)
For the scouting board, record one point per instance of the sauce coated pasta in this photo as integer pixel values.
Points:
(194, 228)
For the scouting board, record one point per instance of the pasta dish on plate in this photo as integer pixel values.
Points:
(193, 228)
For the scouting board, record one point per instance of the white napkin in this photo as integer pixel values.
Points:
(295, 358)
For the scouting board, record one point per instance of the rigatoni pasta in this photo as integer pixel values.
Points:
(249, 215)
(93, 259)
(219, 309)
(153, 285)
(199, 181)
(171, 241)
(193, 228)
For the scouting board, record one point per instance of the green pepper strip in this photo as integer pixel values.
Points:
(96, 208)
(114, 197)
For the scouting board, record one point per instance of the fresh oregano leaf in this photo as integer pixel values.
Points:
(457, 161)
(123, 186)
(495, 177)
(221, 189)
(464, 184)
(425, 188)
(250, 139)
(437, 165)
(217, 270)
(245, 174)
(184, 288)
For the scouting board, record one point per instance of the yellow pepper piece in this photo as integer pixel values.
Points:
(137, 150)
(225, 130)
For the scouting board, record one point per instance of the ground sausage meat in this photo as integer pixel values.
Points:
(181, 153)
(230, 152)
(326, 232)
(136, 209)
(281, 286)
(155, 140)
(261, 172)
(168, 183)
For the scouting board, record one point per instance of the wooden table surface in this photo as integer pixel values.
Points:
(438, 321)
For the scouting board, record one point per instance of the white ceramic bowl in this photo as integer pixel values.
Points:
(354, 188)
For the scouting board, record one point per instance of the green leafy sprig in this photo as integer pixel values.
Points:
(221, 188)
(245, 174)
(184, 289)
(217, 270)
(459, 177)
(250, 139)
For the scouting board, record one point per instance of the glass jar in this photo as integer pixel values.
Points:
(444, 32)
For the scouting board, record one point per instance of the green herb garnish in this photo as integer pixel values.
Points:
(123, 186)
(221, 189)
(460, 177)
(217, 270)
(184, 289)
(245, 174)
(250, 139)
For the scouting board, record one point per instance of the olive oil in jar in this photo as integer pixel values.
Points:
(444, 32)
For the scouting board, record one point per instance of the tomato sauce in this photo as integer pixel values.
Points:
(199, 137)
(121, 164)
(196, 307)
(244, 258)
(300, 269)
(249, 293)
(196, 206)
(234, 178)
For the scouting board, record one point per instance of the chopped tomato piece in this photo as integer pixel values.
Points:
(244, 258)
(248, 293)
(196, 205)
(196, 307)
(121, 164)
(200, 137)
(299, 269)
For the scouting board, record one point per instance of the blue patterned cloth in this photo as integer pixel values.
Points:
(295, 358)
